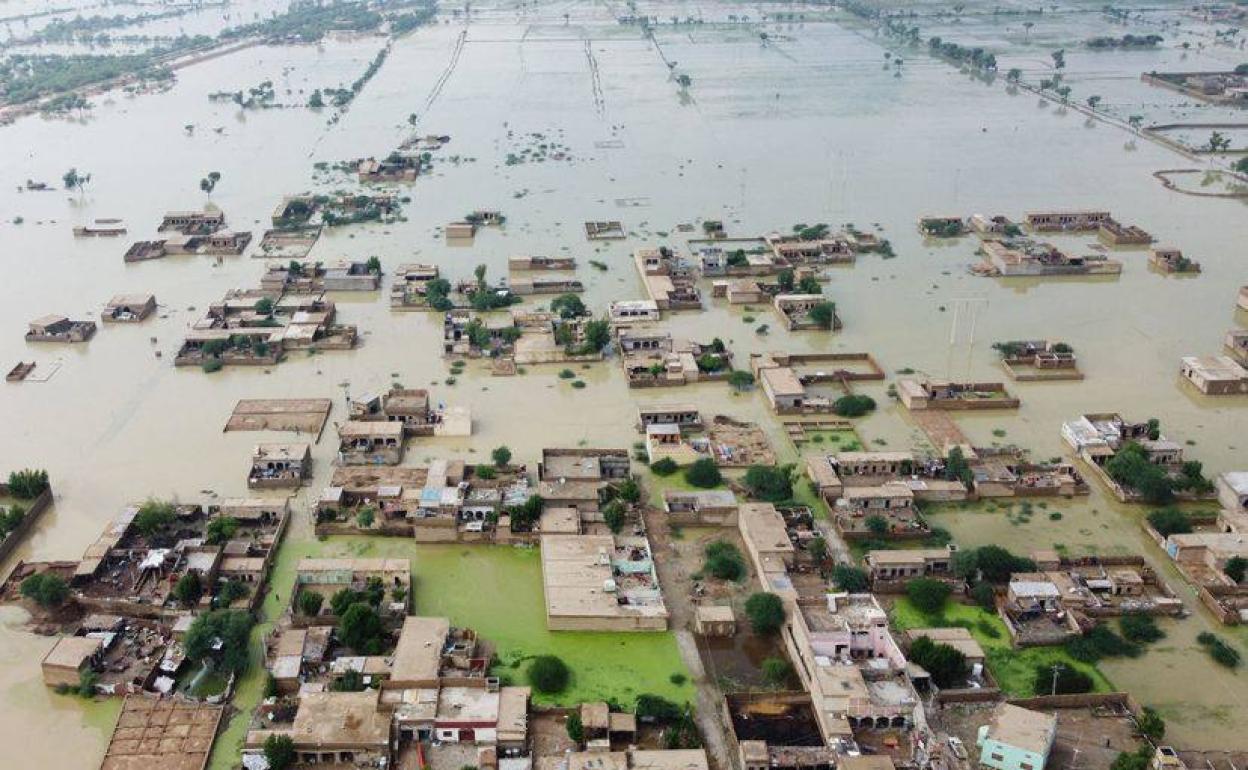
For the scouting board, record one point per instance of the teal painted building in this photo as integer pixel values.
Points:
(1016, 739)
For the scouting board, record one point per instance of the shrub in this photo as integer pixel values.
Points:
(549, 674)
(1101, 642)
(664, 467)
(703, 473)
(928, 595)
(724, 561)
(765, 612)
(1152, 725)
(1235, 568)
(212, 365)
(740, 379)
(850, 578)
(776, 671)
(233, 590)
(45, 589)
(485, 472)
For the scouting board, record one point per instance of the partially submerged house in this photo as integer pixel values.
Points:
(129, 308)
(652, 358)
(668, 279)
(395, 167)
(795, 312)
(541, 263)
(1215, 375)
(411, 408)
(632, 311)
(279, 466)
(351, 276)
(1066, 220)
(370, 442)
(920, 394)
(410, 288)
(784, 377)
(1171, 260)
(1027, 257)
(209, 220)
(58, 328)
(1113, 233)
(1039, 360)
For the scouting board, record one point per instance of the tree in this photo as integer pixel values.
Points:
(984, 596)
(1218, 142)
(264, 306)
(877, 525)
(997, 564)
(850, 579)
(653, 708)
(1235, 568)
(45, 589)
(221, 634)
(188, 590)
(27, 484)
(1059, 59)
(316, 101)
(1140, 628)
(1241, 165)
(373, 265)
(664, 466)
(724, 561)
(279, 751)
(576, 730)
(209, 183)
(366, 517)
(1094, 101)
(809, 285)
(786, 279)
(74, 180)
(629, 491)
(501, 456)
(1131, 468)
(765, 612)
(823, 314)
(957, 468)
(1152, 725)
(360, 628)
(946, 664)
(549, 674)
(740, 379)
(1060, 679)
(927, 595)
(853, 405)
(776, 671)
(703, 473)
(818, 550)
(153, 516)
(310, 603)
(568, 306)
(221, 529)
(597, 334)
(769, 483)
(1014, 75)
(613, 515)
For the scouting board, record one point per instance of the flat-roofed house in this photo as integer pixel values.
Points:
(766, 537)
(1215, 375)
(129, 308)
(279, 466)
(370, 443)
(908, 563)
(418, 654)
(58, 328)
(69, 658)
(1016, 739)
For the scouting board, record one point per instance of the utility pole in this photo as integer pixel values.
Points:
(1057, 669)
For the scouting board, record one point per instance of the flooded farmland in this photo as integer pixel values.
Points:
(810, 125)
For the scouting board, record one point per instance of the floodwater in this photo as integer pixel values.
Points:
(808, 128)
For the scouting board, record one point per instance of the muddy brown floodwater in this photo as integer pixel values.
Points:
(808, 128)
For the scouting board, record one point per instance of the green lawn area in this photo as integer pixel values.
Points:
(657, 485)
(495, 590)
(1012, 668)
(832, 441)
